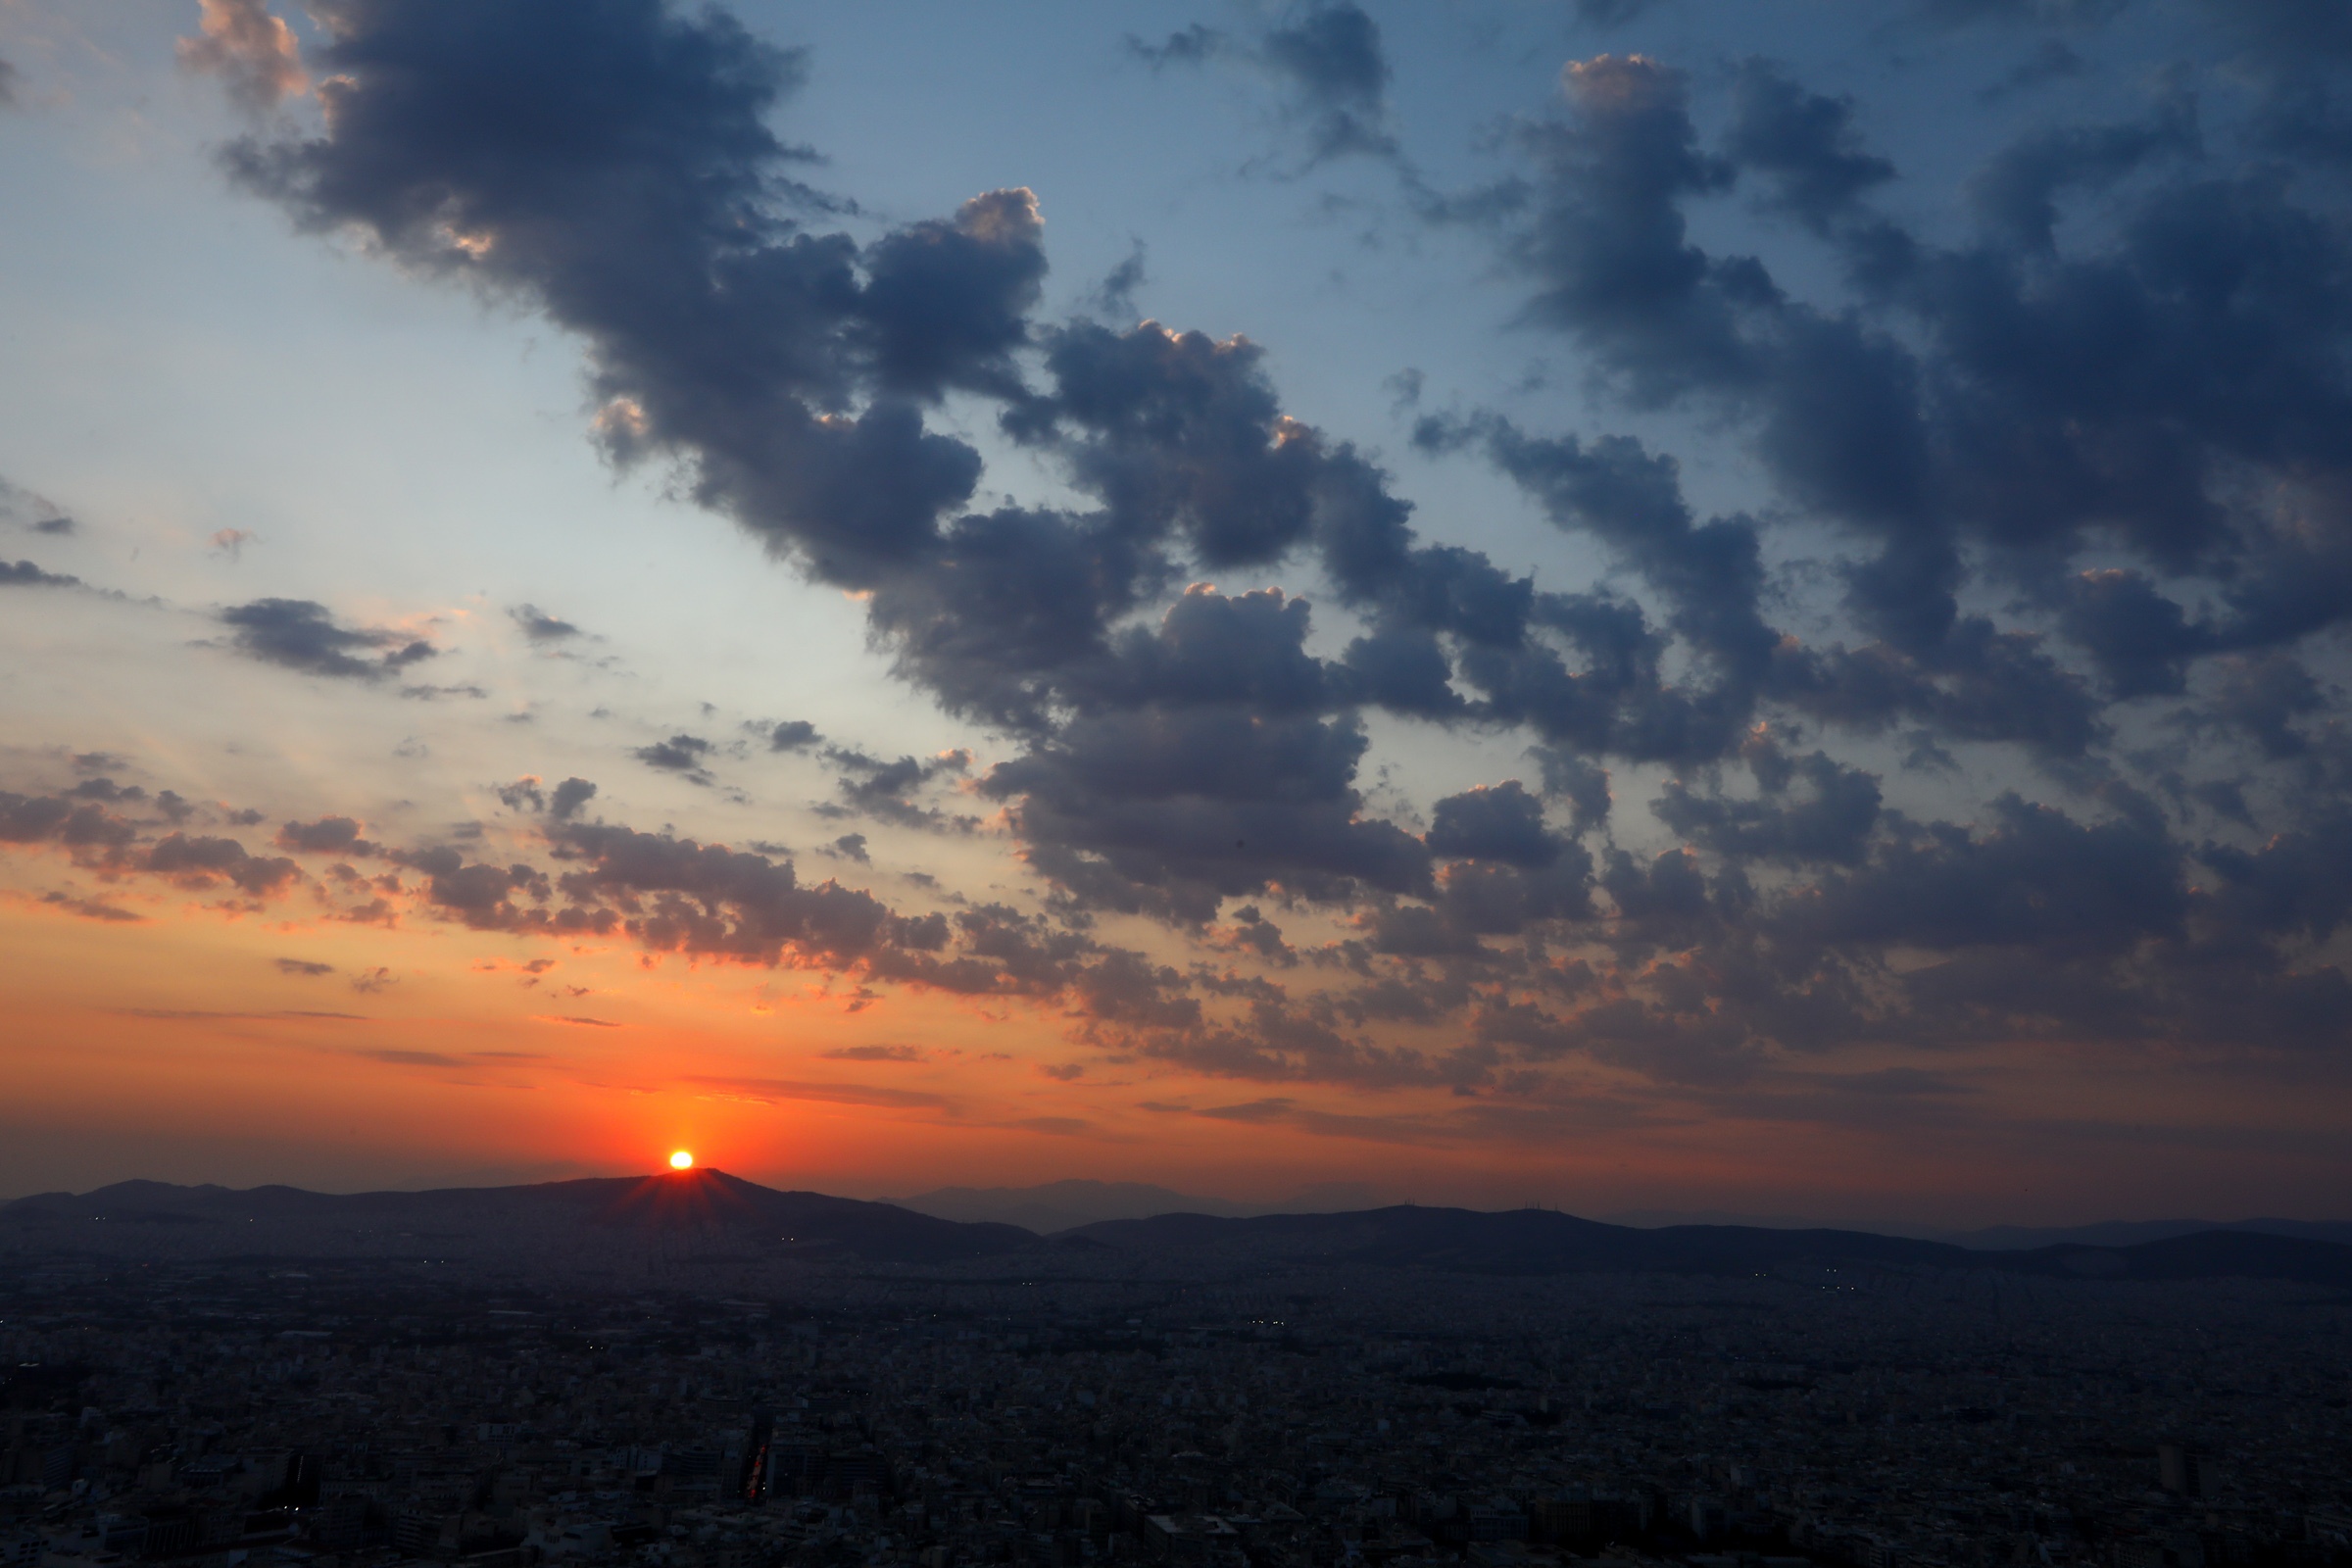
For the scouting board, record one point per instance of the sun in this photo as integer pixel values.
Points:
(682, 1160)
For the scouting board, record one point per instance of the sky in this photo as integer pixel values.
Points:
(1637, 605)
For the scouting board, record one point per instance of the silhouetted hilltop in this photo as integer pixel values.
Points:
(1050, 1208)
(1546, 1242)
(2133, 1232)
(1062, 1206)
(699, 1215)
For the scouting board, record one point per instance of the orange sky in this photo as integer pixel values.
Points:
(175, 1046)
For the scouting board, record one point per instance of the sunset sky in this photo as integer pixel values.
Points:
(1657, 606)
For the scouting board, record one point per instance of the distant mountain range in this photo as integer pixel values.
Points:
(1530, 1240)
(1063, 1206)
(707, 1228)
(2131, 1232)
(1067, 1205)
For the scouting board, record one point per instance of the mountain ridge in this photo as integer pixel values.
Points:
(1522, 1241)
(595, 1213)
(678, 1226)
(1050, 1208)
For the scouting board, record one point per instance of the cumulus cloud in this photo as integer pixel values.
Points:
(25, 575)
(567, 800)
(1805, 143)
(301, 634)
(1332, 56)
(1328, 61)
(2058, 468)
(793, 735)
(540, 626)
(888, 790)
(328, 835)
(681, 753)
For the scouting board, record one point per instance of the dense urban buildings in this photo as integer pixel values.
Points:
(346, 1414)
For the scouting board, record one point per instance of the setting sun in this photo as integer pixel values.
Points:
(682, 1160)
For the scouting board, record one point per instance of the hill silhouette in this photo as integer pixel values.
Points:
(594, 1223)
(1532, 1240)
(705, 1226)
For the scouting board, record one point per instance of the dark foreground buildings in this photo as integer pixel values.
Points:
(347, 1416)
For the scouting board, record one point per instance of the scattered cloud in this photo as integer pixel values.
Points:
(253, 52)
(299, 634)
(875, 1053)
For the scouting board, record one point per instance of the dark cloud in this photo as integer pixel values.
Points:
(1971, 404)
(2049, 466)
(2017, 192)
(1499, 822)
(540, 626)
(1578, 780)
(1187, 46)
(74, 823)
(564, 800)
(305, 967)
(947, 303)
(793, 735)
(1116, 294)
(888, 790)
(1805, 143)
(25, 575)
(329, 835)
(201, 863)
(2033, 876)
(725, 333)
(1609, 245)
(1332, 57)
(1631, 499)
(2270, 697)
(875, 1053)
(1209, 773)
(1811, 807)
(523, 794)
(303, 635)
(680, 754)
(91, 908)
(1331, 67)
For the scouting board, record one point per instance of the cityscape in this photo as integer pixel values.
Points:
(1079, 1401)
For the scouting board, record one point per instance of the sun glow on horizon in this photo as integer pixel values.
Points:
(682, 1160)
